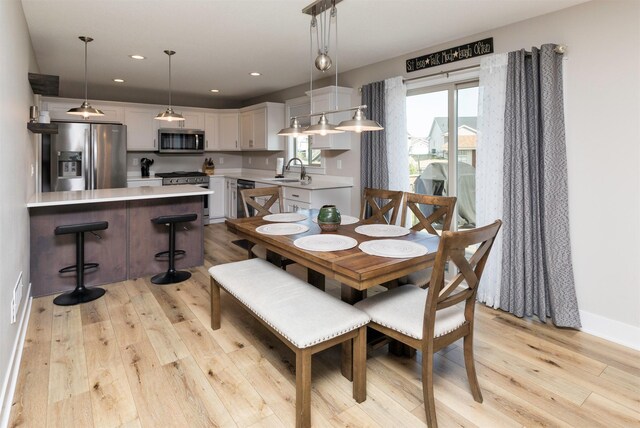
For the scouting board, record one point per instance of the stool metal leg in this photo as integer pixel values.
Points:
(171, 276)
(81, 294)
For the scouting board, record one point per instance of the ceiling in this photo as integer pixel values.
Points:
(218, 42)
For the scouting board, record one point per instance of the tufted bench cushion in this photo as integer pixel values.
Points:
(297, 310)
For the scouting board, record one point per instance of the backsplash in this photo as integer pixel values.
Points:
(193, 162)
(261, 160)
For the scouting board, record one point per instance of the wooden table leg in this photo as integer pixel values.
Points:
(349, 295)
(315, 278)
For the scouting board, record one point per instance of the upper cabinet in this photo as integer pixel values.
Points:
(142, 128)
(211, 132)
(324, 99)
(259, 126)
(58, 110)
(228, 131)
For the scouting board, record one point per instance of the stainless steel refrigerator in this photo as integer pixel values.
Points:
(84, 156)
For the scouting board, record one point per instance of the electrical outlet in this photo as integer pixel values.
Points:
(33, 170)
(339, 164)
(221, 161)
(135, 161)
(16, 298)
(249, 161)
(266, 161)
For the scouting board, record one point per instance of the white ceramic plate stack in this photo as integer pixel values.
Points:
(394, 248)
(325, 242)
(282, 229)
(285, 217)
(345, 219)
(382, 230)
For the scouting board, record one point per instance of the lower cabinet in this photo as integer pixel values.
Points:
(217, 201)
(296, 198)
(231, 205)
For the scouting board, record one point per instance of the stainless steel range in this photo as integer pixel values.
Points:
(184, 177)
(196, 178)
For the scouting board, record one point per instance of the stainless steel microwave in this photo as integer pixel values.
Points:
(180, 140)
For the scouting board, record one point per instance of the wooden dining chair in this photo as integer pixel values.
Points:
(439, 210)
(380, 206)
(428, 320)
(262, 200)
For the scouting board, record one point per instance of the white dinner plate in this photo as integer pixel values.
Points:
(282, 229)
(325, 242)
(285, 217)
(395, 248)
(382, 230)
(344, 219)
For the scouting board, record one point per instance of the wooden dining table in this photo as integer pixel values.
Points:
(356, 270)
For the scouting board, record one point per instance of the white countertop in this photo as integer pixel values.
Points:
(48, 199)
(317, 183)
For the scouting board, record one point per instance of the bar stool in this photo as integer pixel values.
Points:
(80, 294)
(172, 276)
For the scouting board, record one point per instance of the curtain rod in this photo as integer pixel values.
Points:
(440, 73)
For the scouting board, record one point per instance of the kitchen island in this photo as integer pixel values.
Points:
(127, 248)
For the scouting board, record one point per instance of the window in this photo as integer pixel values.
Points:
(302, 147)
(442, 137)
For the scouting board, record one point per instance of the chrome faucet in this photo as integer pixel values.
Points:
(303, 173)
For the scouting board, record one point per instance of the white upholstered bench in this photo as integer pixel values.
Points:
(306, 319)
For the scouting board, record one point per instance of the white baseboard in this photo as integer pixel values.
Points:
(611, 330)
(9, 383)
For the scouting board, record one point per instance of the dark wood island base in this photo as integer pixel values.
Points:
(125, 250)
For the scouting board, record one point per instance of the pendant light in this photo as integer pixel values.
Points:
(359, 123)
(85, 110)
(169, 115)
(323, 12)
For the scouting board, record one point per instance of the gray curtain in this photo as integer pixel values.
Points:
(537, 276)
(374, 167)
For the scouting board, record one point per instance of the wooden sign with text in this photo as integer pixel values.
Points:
(470, 50)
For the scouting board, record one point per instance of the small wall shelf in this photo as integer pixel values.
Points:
(42, 128)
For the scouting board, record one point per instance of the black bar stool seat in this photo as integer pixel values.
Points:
(80, 294)
(172, 276)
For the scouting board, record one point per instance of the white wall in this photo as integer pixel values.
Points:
(603, 111)
(16, 182)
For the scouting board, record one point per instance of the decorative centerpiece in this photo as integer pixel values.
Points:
(329, 218)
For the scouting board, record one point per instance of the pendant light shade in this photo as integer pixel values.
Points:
(169, 115)
(295, 130)
(322, 128)
(359, 123)
(85, 110)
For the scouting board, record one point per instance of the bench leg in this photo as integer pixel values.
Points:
(351, 296)
(360, 365)
(303, 388)
(215, 305)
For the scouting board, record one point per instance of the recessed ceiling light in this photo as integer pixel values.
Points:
(255, 73)
(118, 80)
(136, 56)
(215, 91)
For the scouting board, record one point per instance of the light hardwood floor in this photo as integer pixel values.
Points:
(144, 355)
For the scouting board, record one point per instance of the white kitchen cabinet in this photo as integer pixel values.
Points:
(231, 206)
(228, 131)
(324, 99)
(259, 127)
(192, 120)
(296, 198)
(58, 110)
(211, 132)
(217, 201)
(142, 128)
(141, 182)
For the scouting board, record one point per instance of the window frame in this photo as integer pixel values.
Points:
(290, 141)
(451, 84)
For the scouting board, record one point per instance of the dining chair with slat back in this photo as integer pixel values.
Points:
(252, 198)
(387, 213)
(428, 320)
(441, 212)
